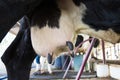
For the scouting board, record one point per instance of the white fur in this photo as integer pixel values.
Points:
(42, 64)
(46, 40)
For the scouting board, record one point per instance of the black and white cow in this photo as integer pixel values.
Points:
(54, 22)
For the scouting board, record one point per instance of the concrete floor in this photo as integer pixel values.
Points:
(99, 79)
(96, 78)
(70, 76)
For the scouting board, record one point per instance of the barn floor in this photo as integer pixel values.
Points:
(58, 74)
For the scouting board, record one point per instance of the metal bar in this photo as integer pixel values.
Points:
(75, 50)
(65, 63)
(103, 50)
(68, 68)
(85, 60)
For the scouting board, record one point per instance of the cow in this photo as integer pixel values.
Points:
(53, 22)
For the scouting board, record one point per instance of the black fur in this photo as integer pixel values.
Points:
(103, 14)
(12, 10)
(47, 13)
(77, 2)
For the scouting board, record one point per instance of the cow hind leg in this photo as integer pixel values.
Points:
(19, 56)
(49, 68)
(42, 64)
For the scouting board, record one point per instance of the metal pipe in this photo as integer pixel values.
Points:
(85, 60)
(67, 68)
(65, 63)
(75, 50)
(103, 50)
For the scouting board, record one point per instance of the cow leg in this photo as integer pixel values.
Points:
(19, 56)
(18, 60)
(88, 65)
(42, 64)
(49, 60)
(49, 68)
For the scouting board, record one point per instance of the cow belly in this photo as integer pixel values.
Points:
(45, 40)
(108, 35)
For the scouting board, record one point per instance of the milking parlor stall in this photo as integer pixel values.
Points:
(98, 60)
